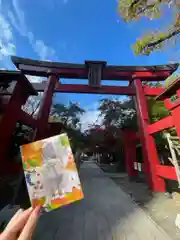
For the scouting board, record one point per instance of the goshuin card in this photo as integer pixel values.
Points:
(50, 171)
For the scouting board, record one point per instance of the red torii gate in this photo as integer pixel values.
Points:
(95, 72)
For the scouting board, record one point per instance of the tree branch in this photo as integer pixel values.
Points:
(134, 3)
(153, 44)
(145, 8)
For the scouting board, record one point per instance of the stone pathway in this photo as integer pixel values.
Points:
(162, 207)
(105, 213)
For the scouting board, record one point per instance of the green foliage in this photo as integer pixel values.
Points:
(145, 44)
(120, 114)
(69, 115)
(157, 110)
(132, 10)
(107, 138)
(75, 137)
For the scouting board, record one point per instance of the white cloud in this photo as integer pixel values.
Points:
(12, 17)
(7, 46)
(5, 29)
(30, 37)
(17, 18)
(7, 50)
(7, 41)
(91, 116)
(45, 52)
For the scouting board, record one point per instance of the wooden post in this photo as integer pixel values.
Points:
(155, 183)
(10, 118)
(45, 107)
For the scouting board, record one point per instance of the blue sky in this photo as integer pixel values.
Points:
(74, 31)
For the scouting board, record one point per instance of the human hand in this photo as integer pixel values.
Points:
(22, 225)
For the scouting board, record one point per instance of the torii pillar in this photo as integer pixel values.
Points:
(150, 155)
(45, 107)
(130, 152)
(8, 124)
